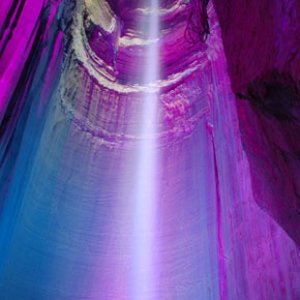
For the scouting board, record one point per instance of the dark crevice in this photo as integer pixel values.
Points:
(198, 23)
(274, 146)
(275, 95)
(13, 25)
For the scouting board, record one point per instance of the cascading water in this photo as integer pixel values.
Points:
(146, 196)
(122, 173)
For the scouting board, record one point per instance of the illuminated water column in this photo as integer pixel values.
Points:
(145, 197)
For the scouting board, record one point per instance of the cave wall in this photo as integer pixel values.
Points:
(261, 42)
(69, 160)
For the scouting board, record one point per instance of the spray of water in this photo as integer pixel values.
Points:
(146, 189)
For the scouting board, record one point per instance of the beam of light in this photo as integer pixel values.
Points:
(145, 197)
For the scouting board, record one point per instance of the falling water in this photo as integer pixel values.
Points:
(146, 189)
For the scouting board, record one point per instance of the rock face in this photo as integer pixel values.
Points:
(123, 174)
(262, 49)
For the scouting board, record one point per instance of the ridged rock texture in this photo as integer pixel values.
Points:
(149, 150)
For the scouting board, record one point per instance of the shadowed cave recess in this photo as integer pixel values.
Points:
(149, 150)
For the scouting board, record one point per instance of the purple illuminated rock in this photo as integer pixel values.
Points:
(262, 49)
(73, 221)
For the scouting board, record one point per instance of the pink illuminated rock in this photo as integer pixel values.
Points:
(262, 48)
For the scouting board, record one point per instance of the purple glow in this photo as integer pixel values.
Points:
(146, 194)
(149, 150)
